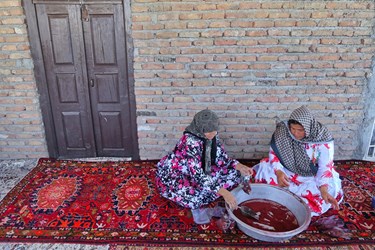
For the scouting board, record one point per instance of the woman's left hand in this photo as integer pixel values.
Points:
(244, 170)
(328, 198)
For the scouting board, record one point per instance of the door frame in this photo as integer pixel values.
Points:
(41, 80)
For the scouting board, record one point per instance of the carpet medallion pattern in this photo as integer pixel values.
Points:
(56, 193)
(117, 203)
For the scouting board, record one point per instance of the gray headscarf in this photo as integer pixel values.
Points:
(290, 151)
(205, 121)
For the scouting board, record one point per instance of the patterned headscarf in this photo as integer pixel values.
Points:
(205, 121)
(290, 151)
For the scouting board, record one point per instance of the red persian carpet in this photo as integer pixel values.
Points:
(117, 203)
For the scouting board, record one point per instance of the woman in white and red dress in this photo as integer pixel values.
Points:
(301, 159)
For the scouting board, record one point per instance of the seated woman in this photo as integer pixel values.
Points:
(301, 159)
(198, 171)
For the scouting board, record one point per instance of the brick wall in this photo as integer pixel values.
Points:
(21, 128)
(253, 62)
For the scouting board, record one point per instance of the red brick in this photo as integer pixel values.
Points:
(220, 24)
(263, 24)
(197, 24)
(205, 7)
(213, 15)
(190, 16)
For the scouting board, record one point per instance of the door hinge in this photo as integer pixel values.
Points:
(85, 13)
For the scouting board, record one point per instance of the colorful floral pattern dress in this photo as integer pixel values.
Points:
(306, 187)
(181, 178)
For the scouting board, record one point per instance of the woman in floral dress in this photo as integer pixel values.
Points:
(301, 159)
(198, 170)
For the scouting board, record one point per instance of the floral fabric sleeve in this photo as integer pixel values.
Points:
(323, 155)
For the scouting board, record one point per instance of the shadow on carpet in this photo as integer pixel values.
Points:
(116, 203)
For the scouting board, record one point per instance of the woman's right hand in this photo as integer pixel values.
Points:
(282, 179)
(229, 198)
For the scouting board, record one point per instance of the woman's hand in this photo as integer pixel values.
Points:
(328, 198)
(229, 198)
(244, 170)
(282, 179)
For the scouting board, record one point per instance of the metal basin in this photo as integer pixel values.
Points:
(280, 195)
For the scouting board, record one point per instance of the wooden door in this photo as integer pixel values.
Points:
(106, 61)
(84, 56)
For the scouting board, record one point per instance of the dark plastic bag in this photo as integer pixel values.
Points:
(333, 226)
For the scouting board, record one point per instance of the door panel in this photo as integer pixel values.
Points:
(72, 122)
(106, 64)
(107, 88)
(67, 85)
(110, 123)
(60, 34)
(103, 38)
